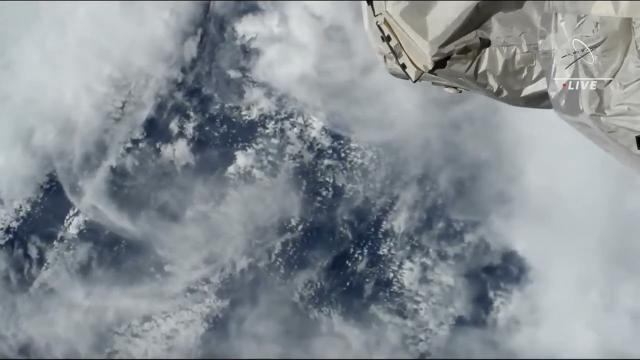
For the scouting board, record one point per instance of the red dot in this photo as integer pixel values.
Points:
(564, 85)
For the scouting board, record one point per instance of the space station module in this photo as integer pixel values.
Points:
(581, 58)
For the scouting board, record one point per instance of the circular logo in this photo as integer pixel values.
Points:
(584, 51)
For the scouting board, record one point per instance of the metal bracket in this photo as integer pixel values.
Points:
(398, 52)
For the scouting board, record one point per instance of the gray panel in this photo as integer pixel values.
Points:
(581, 58)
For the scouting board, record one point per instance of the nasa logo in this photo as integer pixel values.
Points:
(580, 52)
(584, 53)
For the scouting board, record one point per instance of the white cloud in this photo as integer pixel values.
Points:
(64, 67)
(319, 53)
(573, 216)
(561, 202)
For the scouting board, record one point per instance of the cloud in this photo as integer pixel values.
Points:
(157, 237)
(573, 217)
(153, 227)
(166, 239)
(562, 203)
(65, 68)
(320, 54)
